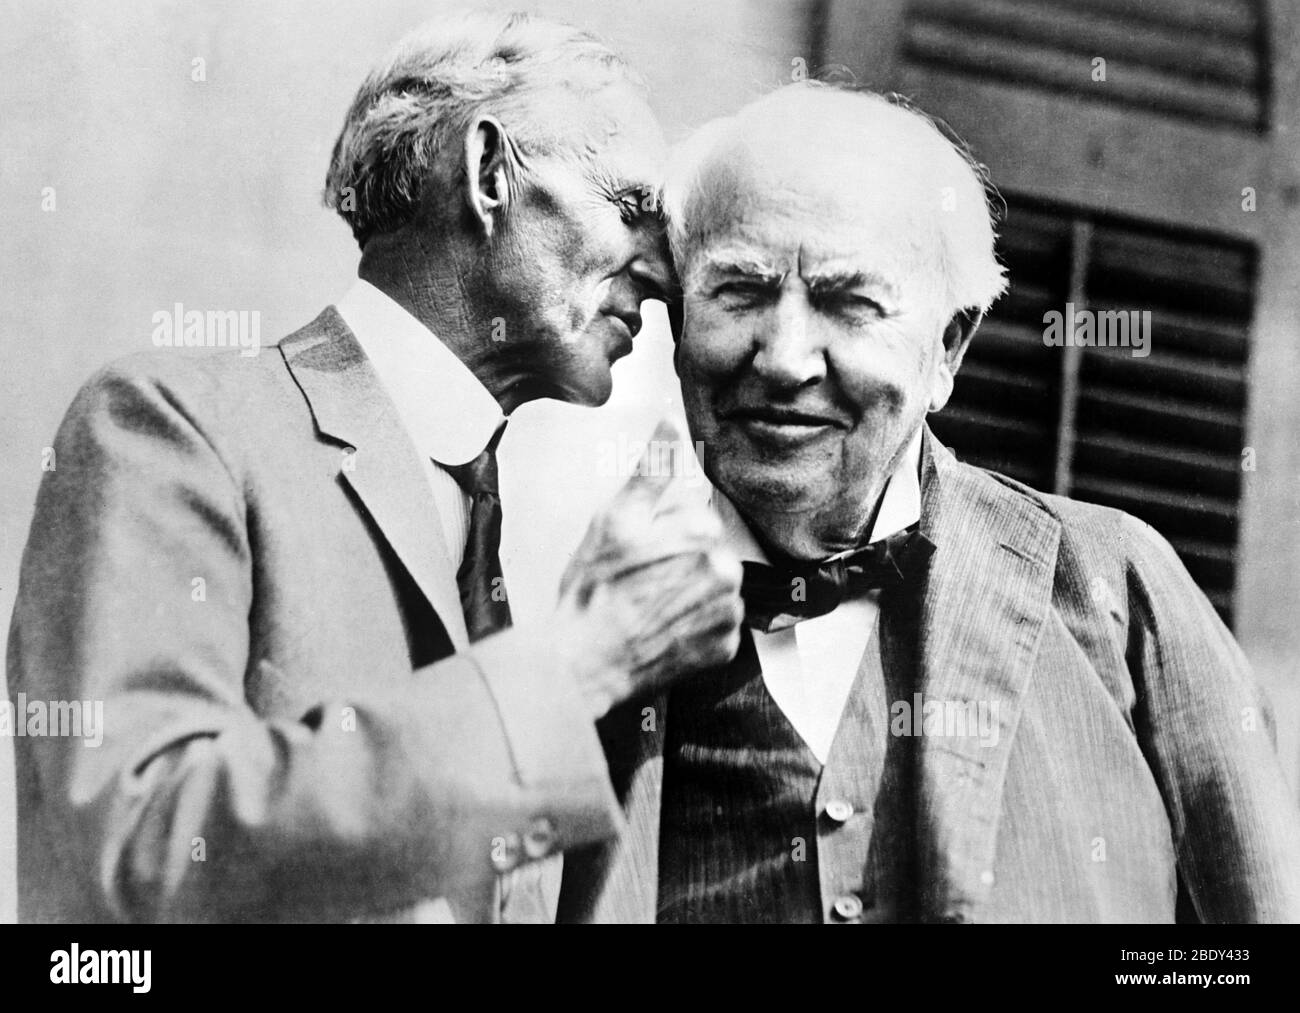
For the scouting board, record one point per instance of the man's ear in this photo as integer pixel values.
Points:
(490, 172)
(957, 336)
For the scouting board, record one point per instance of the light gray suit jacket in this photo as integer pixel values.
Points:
(1133, 776)
(240, 558)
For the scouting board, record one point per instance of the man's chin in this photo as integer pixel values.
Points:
(767, 488)
(591, 392)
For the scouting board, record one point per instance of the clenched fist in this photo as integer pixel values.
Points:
(651, 595)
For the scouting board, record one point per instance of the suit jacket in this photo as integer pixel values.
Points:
(241, 558)
(1133, 776)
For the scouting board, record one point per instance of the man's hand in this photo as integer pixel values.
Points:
(651, 594)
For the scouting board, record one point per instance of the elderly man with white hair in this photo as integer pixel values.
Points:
(957, 699)
(280, 573)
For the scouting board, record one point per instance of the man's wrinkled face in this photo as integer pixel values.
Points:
(584, 248)
(812, 341)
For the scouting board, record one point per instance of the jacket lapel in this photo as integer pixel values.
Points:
(618, 881)
(385, 471)
(984, 604)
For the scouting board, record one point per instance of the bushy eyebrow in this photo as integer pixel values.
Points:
(825, 282)
(611, 182)
(616, 188)
(626, 188)
(733, 265)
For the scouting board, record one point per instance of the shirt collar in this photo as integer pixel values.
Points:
(900, 507)
(448, 413)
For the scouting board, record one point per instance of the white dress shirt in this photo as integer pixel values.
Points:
(449, 415)
(810, 667)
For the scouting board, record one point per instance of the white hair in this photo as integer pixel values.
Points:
(419, 102)
(967, 206)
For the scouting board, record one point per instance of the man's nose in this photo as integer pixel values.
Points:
(652, 271)
(787, 350)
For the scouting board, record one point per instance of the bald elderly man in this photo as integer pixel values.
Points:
(957, 699)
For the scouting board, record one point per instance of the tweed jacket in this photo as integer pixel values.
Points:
(1133, 774)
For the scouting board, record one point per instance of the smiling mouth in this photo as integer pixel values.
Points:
(781, 427)
(782, 418)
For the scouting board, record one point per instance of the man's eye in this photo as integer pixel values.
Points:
(740, 291)
(852, 303)
(629, 207)
(637, 205)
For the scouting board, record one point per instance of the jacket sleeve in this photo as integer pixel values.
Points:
(1207, 732)
(194, 807)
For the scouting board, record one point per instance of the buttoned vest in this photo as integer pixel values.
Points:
(753, 828)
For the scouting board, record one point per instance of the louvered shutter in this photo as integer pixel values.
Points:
(1159, 437)
(1198, 60)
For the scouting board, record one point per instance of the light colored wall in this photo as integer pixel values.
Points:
(207, 193)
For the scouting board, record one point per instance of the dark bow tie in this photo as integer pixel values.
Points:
(777, 597)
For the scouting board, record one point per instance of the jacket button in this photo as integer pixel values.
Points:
(838, 810)
(847, 907)
(505, 852)
(540, 838)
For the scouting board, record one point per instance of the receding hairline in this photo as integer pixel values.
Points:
(910, 147)
(924, 155)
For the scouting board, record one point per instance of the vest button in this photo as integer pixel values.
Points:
(540, 838)
(847, 907)
(839, 810)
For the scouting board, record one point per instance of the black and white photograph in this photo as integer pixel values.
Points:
(746, 462)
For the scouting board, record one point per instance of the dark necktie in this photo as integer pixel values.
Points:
(776, 597)
(481, 583)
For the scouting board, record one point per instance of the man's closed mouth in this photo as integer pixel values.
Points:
(785, 418)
